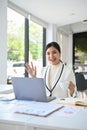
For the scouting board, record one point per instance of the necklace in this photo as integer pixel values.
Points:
(51, 90)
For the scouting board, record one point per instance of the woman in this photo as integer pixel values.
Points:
(59, 78)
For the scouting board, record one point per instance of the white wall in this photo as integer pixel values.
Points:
(51, 33)
(65, 41)
(3, 41)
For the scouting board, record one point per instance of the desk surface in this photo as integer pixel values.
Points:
(14, 121)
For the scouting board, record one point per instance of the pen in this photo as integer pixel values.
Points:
(62, 99)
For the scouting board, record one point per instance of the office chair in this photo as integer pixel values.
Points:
(81, 83)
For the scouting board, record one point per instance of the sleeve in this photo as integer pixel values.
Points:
(71, 77)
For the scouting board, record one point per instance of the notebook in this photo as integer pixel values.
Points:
(30, 89)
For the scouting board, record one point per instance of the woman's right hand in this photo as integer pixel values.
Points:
(31, 69)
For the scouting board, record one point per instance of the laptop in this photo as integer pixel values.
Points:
(30, 89)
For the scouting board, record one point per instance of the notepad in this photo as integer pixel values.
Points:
(81, 103)
(72, 101)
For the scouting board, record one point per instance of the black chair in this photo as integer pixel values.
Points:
(80, 82)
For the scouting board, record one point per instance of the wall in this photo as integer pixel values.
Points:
(3, 41)
(65, 41)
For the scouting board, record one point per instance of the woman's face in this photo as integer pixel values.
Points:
(53, 55)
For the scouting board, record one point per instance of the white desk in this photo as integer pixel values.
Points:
(13, 121)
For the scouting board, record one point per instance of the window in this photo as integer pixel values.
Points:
(16, 41)
(15, 36)
(80, 51)
(36, 43)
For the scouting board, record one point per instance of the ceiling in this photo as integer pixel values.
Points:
(68, 15)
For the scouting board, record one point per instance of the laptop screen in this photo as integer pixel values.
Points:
(29, 88)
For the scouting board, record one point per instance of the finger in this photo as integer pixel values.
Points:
(28, 68)
(27, 65)
(32, 65)
(35, 68)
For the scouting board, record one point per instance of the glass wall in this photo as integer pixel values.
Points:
(16, 44)
(36, 44)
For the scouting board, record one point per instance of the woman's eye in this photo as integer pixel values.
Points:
(54, 52)
(51, 53)
(48, 53)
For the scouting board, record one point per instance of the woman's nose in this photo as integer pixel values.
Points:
(51, 55)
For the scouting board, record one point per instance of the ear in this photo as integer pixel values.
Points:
(60, 55)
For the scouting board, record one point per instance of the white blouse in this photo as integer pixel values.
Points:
(52, 73)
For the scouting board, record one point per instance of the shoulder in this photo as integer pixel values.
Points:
(68, 70)
(68, 67)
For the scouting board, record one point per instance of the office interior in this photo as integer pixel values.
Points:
(61, 31)
(69, 24)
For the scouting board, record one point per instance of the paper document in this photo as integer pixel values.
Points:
(69, 111)
(36, 108)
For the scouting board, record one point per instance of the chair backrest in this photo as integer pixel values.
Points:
(80, 81)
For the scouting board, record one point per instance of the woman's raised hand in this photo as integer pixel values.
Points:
(31, 69)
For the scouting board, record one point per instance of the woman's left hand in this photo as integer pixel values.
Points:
(71, 88)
